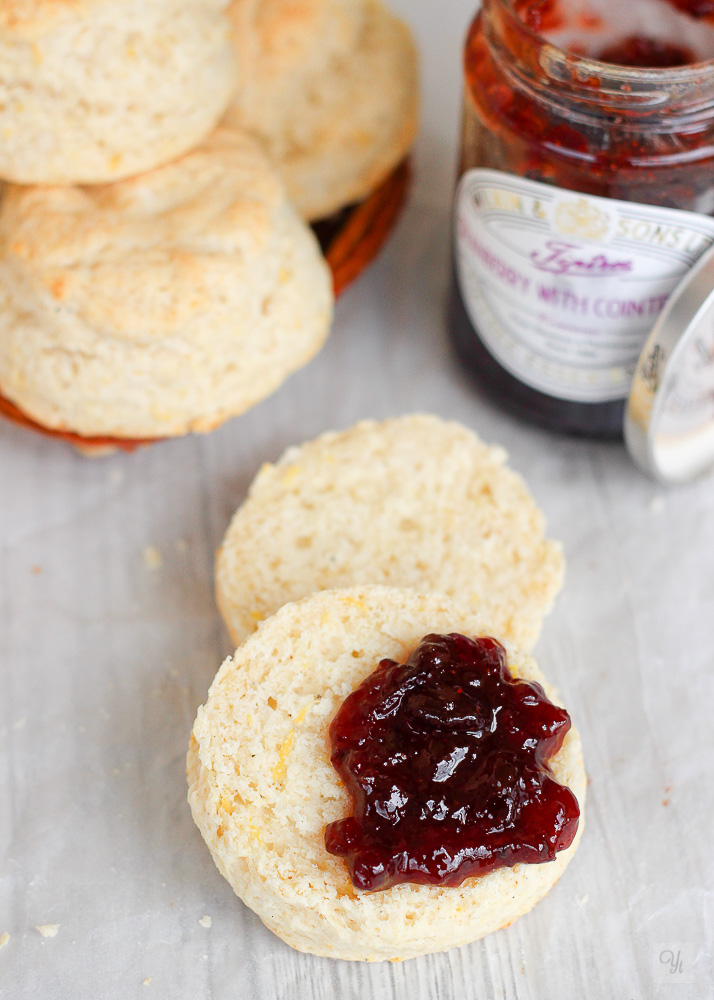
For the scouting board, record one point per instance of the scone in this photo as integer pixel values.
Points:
(162, 304)
(330, 88)
(262, 788)
(415, 501)
(98, 90)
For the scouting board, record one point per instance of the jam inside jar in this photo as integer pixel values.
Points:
(586, 193)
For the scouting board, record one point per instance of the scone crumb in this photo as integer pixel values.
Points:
(582, 900)
(146, 981)
(152, 557)
(47, 930)
(4, 938)
(19, 723)
(205, 921)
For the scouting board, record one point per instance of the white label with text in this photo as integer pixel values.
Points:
(564, 287)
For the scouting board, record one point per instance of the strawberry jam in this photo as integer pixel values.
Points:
(446, 760)
(571, 125)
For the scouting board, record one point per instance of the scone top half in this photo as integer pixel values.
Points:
(415, 501)
(162, 304)
(262, 788)
(99, 90)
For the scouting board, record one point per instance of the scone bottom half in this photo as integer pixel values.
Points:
(264, 792)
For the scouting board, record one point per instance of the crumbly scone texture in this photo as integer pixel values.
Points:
(414, 501)
(262, 787)
(330, 87)
(162, 304)
(97, 90)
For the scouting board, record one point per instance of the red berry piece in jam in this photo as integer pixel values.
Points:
(446, 760)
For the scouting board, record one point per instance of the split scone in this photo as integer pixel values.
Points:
(415, 501)
(330, 87)
(263, 790)
(162, 304)
(97, 90)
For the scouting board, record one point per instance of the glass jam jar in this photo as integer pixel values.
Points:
(586, 193)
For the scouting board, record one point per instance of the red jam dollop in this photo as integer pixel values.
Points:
(446, 760)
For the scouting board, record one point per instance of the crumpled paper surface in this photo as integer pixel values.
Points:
(109, 638)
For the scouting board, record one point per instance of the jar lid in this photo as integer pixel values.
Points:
(669, 421)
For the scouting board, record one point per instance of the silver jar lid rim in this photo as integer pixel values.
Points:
(669, 420)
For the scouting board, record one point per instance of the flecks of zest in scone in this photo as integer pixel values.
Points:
(281, 768)
(226, 805)
(58, 288)
(357, 603)
(290, 475)
(303, 712)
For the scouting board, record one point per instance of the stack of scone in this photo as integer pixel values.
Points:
(155, 278)
(349, 550)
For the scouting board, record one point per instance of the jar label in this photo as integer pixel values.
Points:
(565, 287)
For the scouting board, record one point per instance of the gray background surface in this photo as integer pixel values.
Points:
(104, 660)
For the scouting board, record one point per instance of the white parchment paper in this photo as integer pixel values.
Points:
(109, 638)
